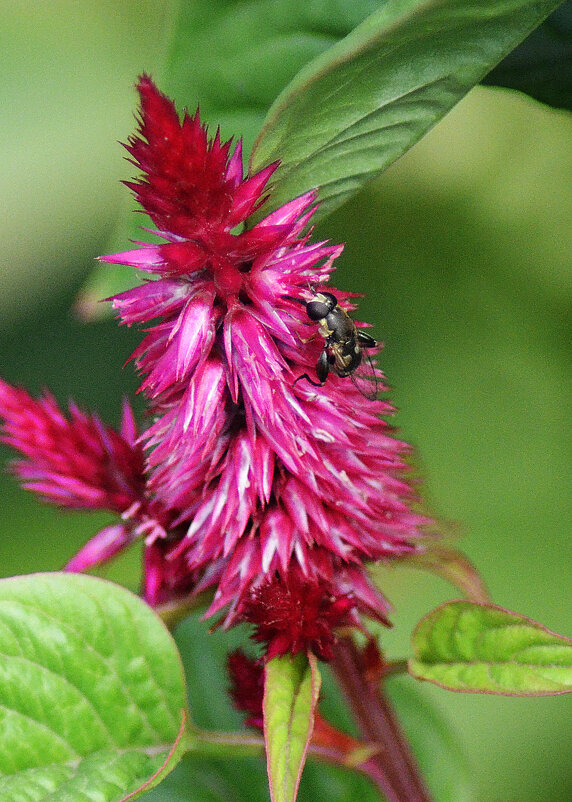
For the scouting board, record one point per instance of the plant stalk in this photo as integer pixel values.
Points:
(396, 772)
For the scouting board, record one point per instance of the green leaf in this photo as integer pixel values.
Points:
(92, 693)
(481, 648)
(542, 65)
(365, 101)
(235, 58)
(291, 689)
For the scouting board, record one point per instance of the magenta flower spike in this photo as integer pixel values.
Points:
(270, 478)
(254, 481)
(78, 462)
(74, 461)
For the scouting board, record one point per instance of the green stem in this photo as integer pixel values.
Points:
(203, 743)
(223, 744)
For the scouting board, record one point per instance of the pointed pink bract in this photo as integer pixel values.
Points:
(268, 476)
(269, 491)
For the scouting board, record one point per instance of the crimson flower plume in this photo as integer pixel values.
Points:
(269, 491)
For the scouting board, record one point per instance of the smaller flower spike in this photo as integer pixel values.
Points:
(80, 463)
(75, 461)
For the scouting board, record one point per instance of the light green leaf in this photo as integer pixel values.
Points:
(92, 693)
(361, 104)
(480, 648)
(291, 689)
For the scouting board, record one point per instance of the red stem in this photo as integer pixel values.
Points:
(393, 767)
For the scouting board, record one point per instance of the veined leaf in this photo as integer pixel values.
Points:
(366, 100)
(91, 688)
(481, 648)
(291, 689)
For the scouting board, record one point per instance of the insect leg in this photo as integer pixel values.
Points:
(305, 376)
(322, 370)
(365, 340)
(323, 367)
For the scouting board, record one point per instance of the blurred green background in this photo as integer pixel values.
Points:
(464, 248)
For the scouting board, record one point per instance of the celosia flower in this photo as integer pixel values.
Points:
(270, 491)
(268, 475)
(80, 463)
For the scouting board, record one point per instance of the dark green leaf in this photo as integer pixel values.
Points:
(542, 65)
(91, 688)
(291, 690)
(365, 101)
(480, 648)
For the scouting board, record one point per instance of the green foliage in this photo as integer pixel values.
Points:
(542, 65)
(368, 99)
(291, 690)
(244, 780)
(479, 648)
(91, 688)
(355, 102)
